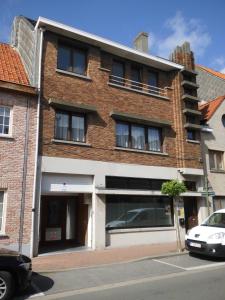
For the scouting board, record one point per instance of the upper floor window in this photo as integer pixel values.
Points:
(70, 126)
(216, 160)
(138, 137)
(153, 82)
(118, 72)
(72, 59)
(4, 120)
(136, 78)
(192, 135)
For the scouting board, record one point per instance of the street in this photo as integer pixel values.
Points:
(174, 277)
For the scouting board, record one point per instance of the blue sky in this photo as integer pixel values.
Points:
(168, 23)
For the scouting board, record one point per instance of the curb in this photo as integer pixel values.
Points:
(164, 255)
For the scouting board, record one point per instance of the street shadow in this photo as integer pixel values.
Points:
(39, 284)
(207, 257)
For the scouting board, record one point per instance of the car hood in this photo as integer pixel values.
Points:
(201, 233)
(115, 223)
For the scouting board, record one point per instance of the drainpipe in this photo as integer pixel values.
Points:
(35, 184)
(24, 177)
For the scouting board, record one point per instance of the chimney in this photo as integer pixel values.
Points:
(141, 42)
(184, 56)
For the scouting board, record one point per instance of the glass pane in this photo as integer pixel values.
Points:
(7, 111)
(6, 120)
(1, 120)
(219, 160)
(138, 137)
(79, 62)
(2, 110)
(136, 76)
(1, 129)
(154, 139)
(6, 130)
(78, 128)
(153, 82)
(62, 125)
(138, 211)
(122, 135)
(211, 160)
(118, 71)
(64, 58)
(54, 215)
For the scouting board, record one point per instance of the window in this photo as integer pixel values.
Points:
(72, 59)
(192, 135)
(138, 211)
(122, 135)
(131, 183)
(153, 82)
(223, 120)
(191, 119)
(70, 126)
(4, 120)
(2, 211)
(118, 71)
(136, 78)
(138, 137)
(216, 160)
(154, 139)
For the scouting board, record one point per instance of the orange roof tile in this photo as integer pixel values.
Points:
(11, 67)
(211, 71)
(209, 108)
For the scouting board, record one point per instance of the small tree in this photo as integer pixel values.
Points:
(173, 189)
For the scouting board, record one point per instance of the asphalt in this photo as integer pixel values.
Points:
(87, 280)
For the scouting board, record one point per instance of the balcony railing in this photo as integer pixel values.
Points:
(138, 86)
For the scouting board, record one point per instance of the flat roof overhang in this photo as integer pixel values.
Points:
(108, 46)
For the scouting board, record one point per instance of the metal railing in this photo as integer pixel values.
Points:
(138, 86)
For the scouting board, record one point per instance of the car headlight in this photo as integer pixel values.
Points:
(217, 236)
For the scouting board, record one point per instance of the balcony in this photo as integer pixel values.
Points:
(138, 87)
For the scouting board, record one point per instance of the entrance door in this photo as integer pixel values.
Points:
(64, 221)
(190, 211)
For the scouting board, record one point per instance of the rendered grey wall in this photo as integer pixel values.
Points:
(210, 86)
(23, 38)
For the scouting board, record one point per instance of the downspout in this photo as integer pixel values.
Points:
(24, 178)
(35, 184)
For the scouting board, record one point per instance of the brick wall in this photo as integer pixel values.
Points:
(101, 127)
(11, 166)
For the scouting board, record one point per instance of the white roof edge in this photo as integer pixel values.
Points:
(44, 21)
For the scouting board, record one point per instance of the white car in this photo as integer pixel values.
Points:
(209, 237)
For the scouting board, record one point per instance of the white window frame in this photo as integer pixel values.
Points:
(10, 122)
(212, 155)
(2, 230)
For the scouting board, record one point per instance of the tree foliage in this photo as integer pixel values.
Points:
(173, 188)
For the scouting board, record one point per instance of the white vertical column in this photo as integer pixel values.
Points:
(99, 211)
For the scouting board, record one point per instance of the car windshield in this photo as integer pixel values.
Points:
(127, 216)
(215, 220)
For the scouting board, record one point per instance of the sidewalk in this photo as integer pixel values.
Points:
(72, 260)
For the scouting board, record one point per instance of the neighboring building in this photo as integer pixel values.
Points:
(115, 124)
(18, 130)
(211, 83)
(213, 142)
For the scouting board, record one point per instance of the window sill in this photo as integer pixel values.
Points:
(6, 136)
(147, 229)
(137, 91)
(193, 141)
(74, 74)
(218, 171)
(104, 69)
(141, 151)
(71, 143)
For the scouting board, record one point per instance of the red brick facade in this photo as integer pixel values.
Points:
(101, 126)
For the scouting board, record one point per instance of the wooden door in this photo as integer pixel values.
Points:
(82, 223)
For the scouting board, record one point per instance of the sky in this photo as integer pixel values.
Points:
(168, 23)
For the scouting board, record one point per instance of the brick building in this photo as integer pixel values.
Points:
(18, 131)
(116, 123)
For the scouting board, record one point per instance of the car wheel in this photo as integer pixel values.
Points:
(6, 285)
